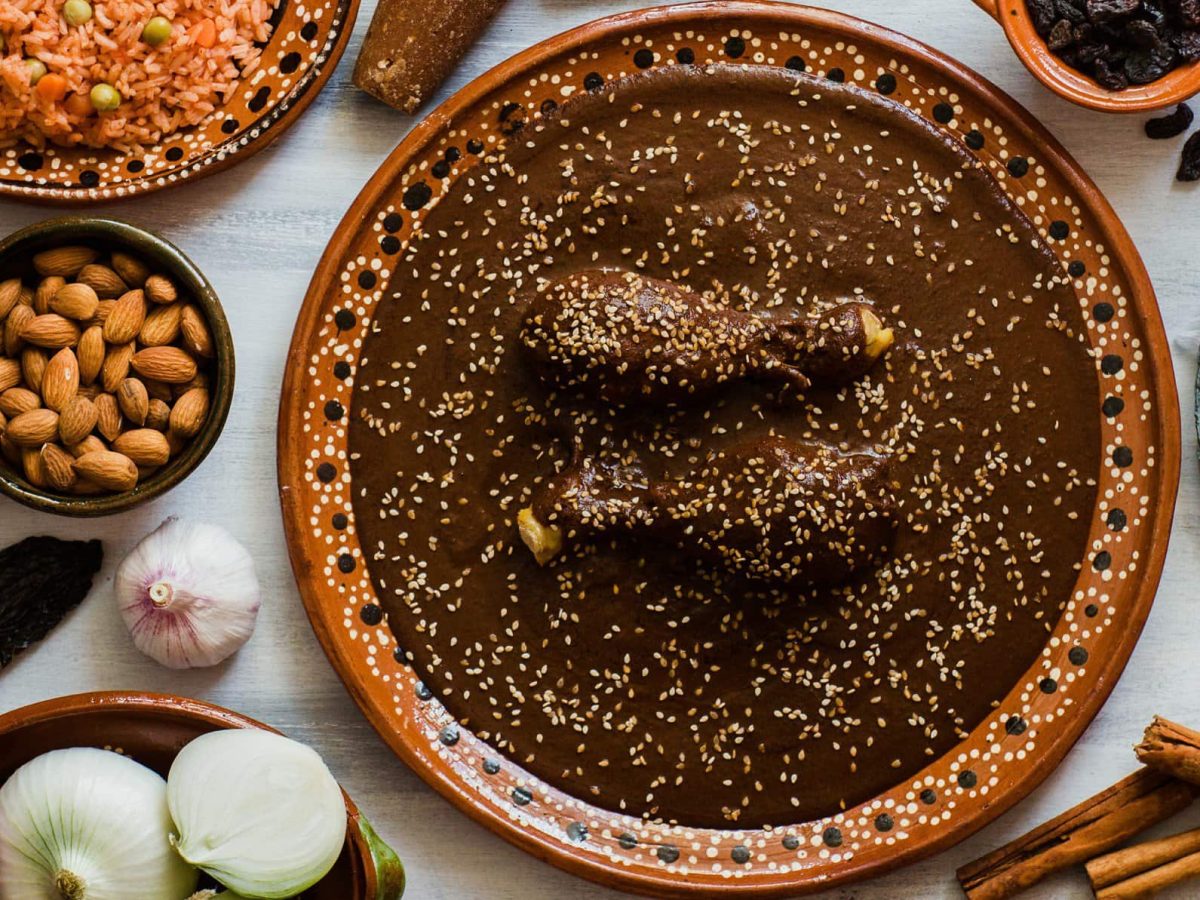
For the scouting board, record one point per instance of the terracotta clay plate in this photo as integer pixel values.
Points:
(152, 729)
(1030, 730)
(307, 40)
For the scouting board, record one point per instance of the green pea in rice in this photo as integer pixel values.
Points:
(163, 89)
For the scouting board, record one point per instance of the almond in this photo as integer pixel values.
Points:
(59, 467)
(160, 289)
(108, 416)
(161, 326)
(13, 326)
(31, 463)
(169, 364)
(108, 469)
(125, 320)
(63, 261)
(90, 353)
(51, 331)
(145, 446)
(90, 444)
(77, 420)
(158, 416)
(60, 383)
(33, 366)
(10, 293)
(9, 450)
(159, 391)
(116, 366)
(75, 301)
(196, 336)
(45, 293)
(18, 400)
(190, 413)
(200, 381)
(91, 391)
(10, 374)
(134, 402)
(177, 442)
(103, 280)
(131, 269)
(103, 310)
(34, 428)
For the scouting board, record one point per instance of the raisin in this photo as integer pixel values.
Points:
(1043, 15)
(1189, 168)
(1143, 35)
(1110, 10)
(1074, 11)
(1188, 12)
(41, 580)
(1146, 66)
(1187, 45)
(1108, 78)
(1172, 125)
(1061, 35)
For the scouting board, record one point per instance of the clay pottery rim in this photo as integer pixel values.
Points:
(1013, 16)
(90, 175)
(330, 599)
(17, 250)
(370, 869)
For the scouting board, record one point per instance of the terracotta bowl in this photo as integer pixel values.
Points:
(1013, 16)
(1007, 754)
(16, 253)
(151, 729)
(307, 40)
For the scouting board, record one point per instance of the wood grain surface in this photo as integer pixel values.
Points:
(258, 230)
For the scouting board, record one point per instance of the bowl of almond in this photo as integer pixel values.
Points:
(116, 366)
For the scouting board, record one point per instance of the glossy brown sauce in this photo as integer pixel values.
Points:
(626, 673)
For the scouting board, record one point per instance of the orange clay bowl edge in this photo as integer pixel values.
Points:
(1172, 88)
(406, 741)
(356, 869)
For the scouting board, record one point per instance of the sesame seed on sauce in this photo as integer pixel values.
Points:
(631, 671)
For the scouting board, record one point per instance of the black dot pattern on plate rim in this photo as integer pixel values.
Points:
(423, 691)
(943, 113)
(344, 319)
(491, 766)
(967, 779)
(1103, 312)
(521, 796)
(135, 166)
(1091, 610)
(832, 836)
(31, 162)
(928, 797)
(1059, 230)
(229, 126)
(1018, 167)
(371, 614)
(289, 63)
(836, 75)
(666, 853)
(440, 169)
(309, 31)
(389, 244)
(883, 822)
(174, 154)
(393, 222)
(346, 564)
(259, 100)
(577, 832)
(1123, 457)
(367, 280)
(740, 854)
(340, 521)
(886, 83)
(1076, 268)
(735, 46)
(974, 139)
(1113, 407)
(1078, 656)
(1015, 725)
(1102, 561)
(644, 58)
(452, 155)
(627, 841)
(1117, 520)
(334, 411)
(417, 196)
(796, 64)
(341, 369)
(686, 56)
(449, 735)
(1048, 685)
(593, 81)
(791, 842)
(1111, 364)
(326, 472)
(398, 655)
(89, 178)
(474, 146)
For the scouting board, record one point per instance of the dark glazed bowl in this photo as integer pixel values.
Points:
(152, 729)
(16, 253)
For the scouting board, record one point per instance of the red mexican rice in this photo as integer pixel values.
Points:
(109, 84)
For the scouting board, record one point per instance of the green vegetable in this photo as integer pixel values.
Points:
(77, 12)
(157, 31)
(105, 97)
(36, 68)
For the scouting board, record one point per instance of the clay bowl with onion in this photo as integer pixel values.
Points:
(106, 235)
(152, 729)
(1013, 16)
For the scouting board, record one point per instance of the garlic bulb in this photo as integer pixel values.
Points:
(86, 824)
(188, 594)
(258, 812)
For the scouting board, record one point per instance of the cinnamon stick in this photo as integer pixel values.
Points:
(1149, 883)
(1093, 827)
(1122, 865)
(1171, 748)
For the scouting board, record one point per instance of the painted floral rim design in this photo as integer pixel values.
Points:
(307, 40)
(1008, 754)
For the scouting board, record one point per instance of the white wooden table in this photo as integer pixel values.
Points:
(258, 231)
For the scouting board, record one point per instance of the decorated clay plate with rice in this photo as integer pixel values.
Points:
(106, 99)
(729, 447)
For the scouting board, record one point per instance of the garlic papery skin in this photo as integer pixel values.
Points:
(188, 594)
(258, 812)
(86, 824)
